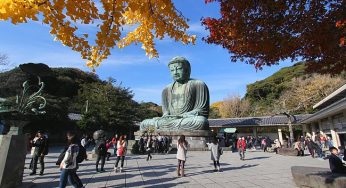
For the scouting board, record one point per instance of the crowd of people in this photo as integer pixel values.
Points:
(75, 152)
(154, 144)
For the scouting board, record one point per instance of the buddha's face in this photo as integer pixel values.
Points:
(178, 72)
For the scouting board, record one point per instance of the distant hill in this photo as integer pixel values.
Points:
(269, 89)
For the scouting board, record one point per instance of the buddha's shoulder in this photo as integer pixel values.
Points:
(197, 82)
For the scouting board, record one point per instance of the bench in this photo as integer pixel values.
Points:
(317, 177)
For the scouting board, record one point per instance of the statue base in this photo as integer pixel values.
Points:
(13, 149)
(197, 139)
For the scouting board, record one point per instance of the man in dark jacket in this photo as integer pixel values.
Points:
(100, 149)
(41, 149)
(335, 163)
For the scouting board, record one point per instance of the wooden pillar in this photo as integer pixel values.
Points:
(335, 136)
(254, 131)
(280, 136)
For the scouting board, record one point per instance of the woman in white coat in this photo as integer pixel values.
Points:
(181, 155)
(215, 149)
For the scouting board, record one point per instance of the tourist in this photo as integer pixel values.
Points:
(215, 153)
(69, 165)
(318, 147)
(114, 143)
(141, 145)
(268, 143)
(335, 163)
(322, 141)
(241, 146)
(277, 145)
(181, 155)
(32, 151)
(310, 145)
(297, 146)
(264, 145)
(101, 152)
(41, 149)
(329, 142)
(149, 147)
(121, 151)
(108, 145)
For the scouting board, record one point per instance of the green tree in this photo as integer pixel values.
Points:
(109, 106)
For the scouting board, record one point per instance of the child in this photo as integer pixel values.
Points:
(181, 155)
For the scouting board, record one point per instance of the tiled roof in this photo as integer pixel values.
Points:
(256, 121)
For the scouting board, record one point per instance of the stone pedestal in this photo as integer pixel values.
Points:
(197, 139)
(13, 148)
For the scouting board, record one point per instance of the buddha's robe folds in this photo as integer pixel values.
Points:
(185, 107)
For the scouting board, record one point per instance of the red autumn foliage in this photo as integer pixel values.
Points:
(265, 32)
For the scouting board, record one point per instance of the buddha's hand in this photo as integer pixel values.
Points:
(188, 114)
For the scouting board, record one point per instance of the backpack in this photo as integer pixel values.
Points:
(81, 154)
(101, 148)
(121, 151)
(61, 156)
(46, 147)
(220, 151)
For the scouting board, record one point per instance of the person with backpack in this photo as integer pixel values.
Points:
(215, 153)
(41, 149)
(121, 151)
(241, 146)
(69, 162)
(101, 152)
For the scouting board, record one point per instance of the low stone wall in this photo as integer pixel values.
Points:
(197, 139)
(317, 177)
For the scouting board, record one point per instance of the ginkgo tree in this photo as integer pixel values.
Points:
(151, 19)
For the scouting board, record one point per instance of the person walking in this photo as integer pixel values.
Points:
(149, 147)
(277, 145)
(181, 155)
(41, 149)
(241, 146)
(69, 165)
(264, 144)
(101, 152)
(215, 153)
(121, 151)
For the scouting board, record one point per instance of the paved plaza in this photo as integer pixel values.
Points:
(258, 170)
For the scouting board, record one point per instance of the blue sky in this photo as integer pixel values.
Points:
(32, 42)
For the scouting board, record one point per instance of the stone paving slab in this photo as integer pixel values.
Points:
(258, 170)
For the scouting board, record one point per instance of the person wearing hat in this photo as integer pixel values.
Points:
(335, 163)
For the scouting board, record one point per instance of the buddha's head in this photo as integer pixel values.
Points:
(180, 69)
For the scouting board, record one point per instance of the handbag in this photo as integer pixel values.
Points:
(121, 151)
(220, 151)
